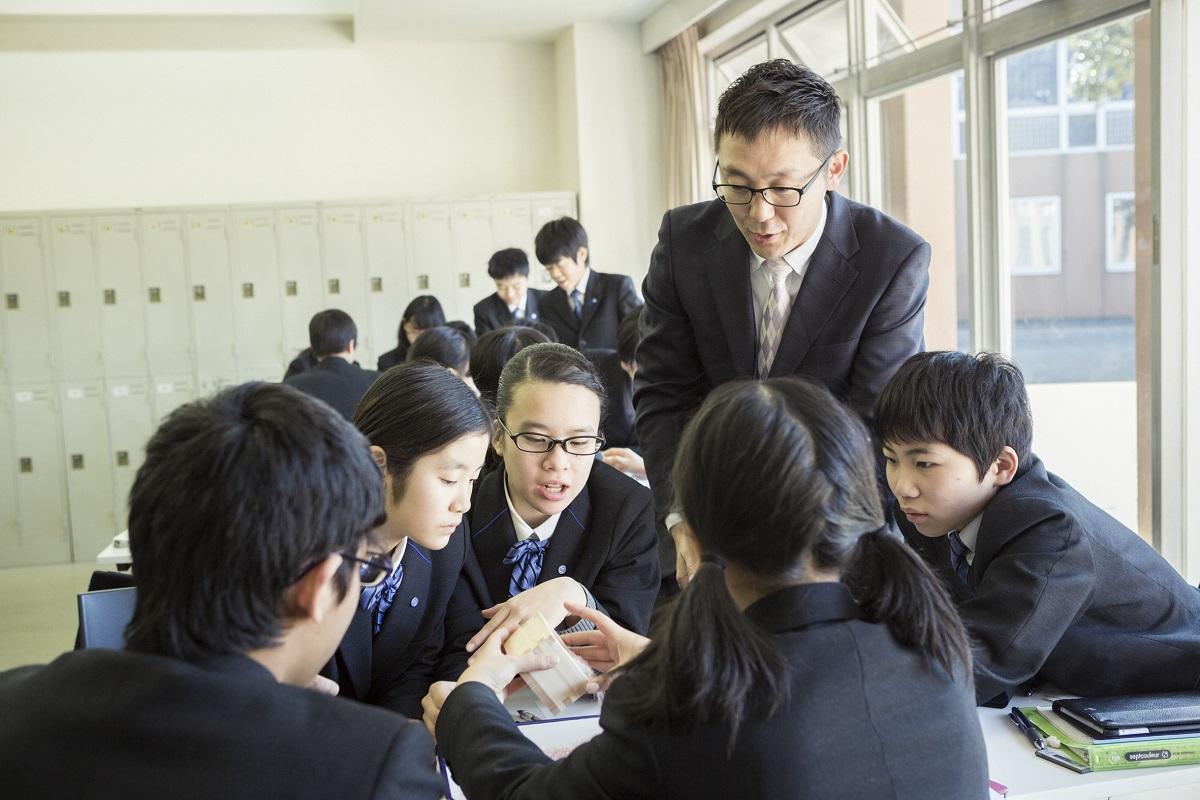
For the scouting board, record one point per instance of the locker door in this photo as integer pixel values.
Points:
(27, 347)
(387, 277)
(122, 312)
(258, 327)
(430, 270)
(471, 232)
(8, 476)
(207, 248)
(130, 424)
(300, 271)
(164, 278)
(345, 277)
(42, 533)
(512, 226)
(544, 208)
(89, 471)
(76, 298)
(169, 393)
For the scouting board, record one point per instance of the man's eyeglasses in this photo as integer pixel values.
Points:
(782, 196)
(540, 443)
(372, 570)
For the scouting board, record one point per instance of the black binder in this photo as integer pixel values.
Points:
(1134, 715)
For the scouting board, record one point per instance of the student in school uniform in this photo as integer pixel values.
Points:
(587, 306)
(553, 524)
(1049, 586)
(423, 313)
(812, 654)
(336, 378)
(513, 302)
(428, 434)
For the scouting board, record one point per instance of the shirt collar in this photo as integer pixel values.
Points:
(798, 259)
(519, 306)
(543, 531)
(970, 532)
(398, 553)
(583, 282)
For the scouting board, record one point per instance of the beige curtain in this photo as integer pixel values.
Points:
(687, 152)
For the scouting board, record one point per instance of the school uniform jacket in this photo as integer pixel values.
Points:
(605, 540)
(1060, 591)
(491, 312)
(865, 718)
(606, 301)
(336, 382)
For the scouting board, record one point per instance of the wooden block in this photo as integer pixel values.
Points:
(563, 684)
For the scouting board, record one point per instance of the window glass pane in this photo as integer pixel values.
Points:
(732, 65)
(818, 40)
(895, 27)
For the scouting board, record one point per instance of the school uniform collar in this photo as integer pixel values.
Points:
(581, 287)
(520, 526)
(804, 606)
(235, 664)
(969, 536)
(798, 259)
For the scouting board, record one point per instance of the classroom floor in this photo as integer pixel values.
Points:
(38, 616)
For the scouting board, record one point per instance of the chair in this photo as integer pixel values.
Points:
(103, 616)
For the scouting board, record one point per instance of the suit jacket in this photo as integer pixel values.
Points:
(106, 723)
(857, 317)
(1066, 594)
(395, 668)
(391, 358)
(604, 539)
(857, 724)
(491, 312)
(608, 299)
(337, 382)
(617, 425)
(301, 363)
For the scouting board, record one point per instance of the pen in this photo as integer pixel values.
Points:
(1026, 727)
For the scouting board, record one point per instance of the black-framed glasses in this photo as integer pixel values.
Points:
(372, 570)
(541, 443)
(782, 196)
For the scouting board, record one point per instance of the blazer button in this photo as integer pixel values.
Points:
(414, 602)
(562, 569)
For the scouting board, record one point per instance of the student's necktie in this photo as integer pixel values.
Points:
(378, 599)
(958, 558)
(577, 302)
(526, 557)
(774, 315)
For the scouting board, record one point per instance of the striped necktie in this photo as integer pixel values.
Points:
(577, 302)
(958, 558)
(526, 557)
(376, 600)
(774, 316)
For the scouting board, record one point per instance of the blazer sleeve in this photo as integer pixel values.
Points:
(627, 298)
(490, 758)
(409, 768)
(482, 325)
(628, 583)
(403, 695)
(463, 620)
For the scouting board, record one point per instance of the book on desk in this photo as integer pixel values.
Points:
(1082, 752)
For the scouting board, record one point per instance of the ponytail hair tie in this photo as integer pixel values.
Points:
(709, 558)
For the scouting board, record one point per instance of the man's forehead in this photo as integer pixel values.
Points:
(771, 152)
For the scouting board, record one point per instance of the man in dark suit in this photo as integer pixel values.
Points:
(587, 306)
(249, 522)
(778, 275)
(336, 379)
(513, 302)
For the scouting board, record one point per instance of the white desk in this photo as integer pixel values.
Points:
(117, 552)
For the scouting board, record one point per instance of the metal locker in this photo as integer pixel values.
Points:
(257, 299)
(24, 266)
(42, 532)
(122, 310)
(387, 277)
(430, 270)
(130, 424)
(471, 233)
(88, 468)
(300, 274)
(8, 475)
(209, 294)
(544, 208)
(164, 295)
(344, 274)
(168, 393)
(512, 226)
(76, 298)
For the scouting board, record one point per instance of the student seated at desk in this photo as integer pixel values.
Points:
(1049, 586)
(250, 522)
(771, 677)
(553, 524)
(428, 434)
(423, 313)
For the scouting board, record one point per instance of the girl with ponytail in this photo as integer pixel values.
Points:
(811, 655)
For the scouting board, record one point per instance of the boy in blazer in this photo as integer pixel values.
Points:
(513, 302)
(587, 306)
(1050, 586)
(335, 378)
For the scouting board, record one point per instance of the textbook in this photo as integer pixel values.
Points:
(1098, 754)
(557, 687)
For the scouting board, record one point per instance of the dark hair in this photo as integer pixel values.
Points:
(443, 345)
(550, 362)
(559, 238)
(777, 476)
(330, 332)
(974, 404)
(629, 336)
(465, 329)
(781, 96)
(238, 494)
(414, 409)
(425, 312)
(493, 351)
(545, 328)
(507, 263)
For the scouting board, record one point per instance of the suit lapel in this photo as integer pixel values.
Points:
(404, 617)
(729, 276)
(355, 655)
(495, 536)
(531, 305)
(591, 301)
(560, 303)
(567, 541)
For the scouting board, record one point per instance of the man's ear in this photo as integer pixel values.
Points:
(379, 456)
(581, 256)
(836, 169)
(1006, 465)
(314, 594)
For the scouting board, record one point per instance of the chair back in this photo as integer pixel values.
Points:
(103, 616)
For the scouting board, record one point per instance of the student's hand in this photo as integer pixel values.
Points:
(323, 685)
(432, 703)
(549, 599)
(626, 460)
(687, 553)
(606, 647)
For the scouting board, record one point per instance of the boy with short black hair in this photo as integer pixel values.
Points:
(513, 302)
(587, 306)
(1049, 586)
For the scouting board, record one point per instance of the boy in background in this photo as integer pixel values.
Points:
(513, 302)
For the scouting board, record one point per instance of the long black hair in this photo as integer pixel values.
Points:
(493, 351)
(443, 345)
(776, 477)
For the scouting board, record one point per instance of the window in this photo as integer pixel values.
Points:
(818, 40)
(732, 65)
(1120, 232)
(1035, 233)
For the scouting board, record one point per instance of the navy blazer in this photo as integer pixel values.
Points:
(491, 312)
(107, 723)
(857, 317)
(337, 382)
(395, 668)
(607, 301)
(617, 425)
(865, 718)
(1062, 592)
(605, 540)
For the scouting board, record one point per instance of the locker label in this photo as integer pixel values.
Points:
(155, 294)
(376, 284)
(120, 391)
(12, 302)
(110, 297)
(166, 388)
(335, 286)
(464, 280)
(77, 461)
(64, 299)
(122, 458)
(75, 393)
(24, 397)
(422, 281)
(198, 292)
(248, 290)
(26, 464)
(289, 288)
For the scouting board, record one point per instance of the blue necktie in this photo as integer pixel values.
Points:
(526, 557)
(577, 302)
(958, 558)
(378, 599)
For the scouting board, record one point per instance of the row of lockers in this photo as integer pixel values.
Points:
(227, 293)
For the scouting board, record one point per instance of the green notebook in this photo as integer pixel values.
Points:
(1128, 752)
